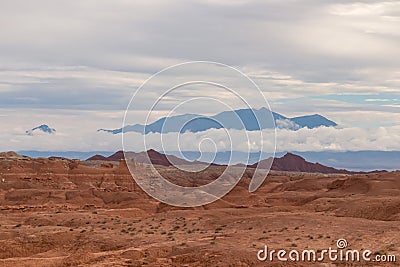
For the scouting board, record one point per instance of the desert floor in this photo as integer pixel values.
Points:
(57, 212)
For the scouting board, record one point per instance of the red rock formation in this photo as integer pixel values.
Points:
(294, 163)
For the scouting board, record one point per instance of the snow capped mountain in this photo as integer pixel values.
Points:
(41, 129)
(248, 119)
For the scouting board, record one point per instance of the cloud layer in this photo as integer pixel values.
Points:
(75, 64)
(318, 139)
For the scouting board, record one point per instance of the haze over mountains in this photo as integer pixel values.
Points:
(248, 119)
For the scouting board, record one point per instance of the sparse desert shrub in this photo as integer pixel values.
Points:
(380, 252)
(391, 247)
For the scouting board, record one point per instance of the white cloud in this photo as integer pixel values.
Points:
(286, 124)
(318, 139)
(336, 139)
(377, 100)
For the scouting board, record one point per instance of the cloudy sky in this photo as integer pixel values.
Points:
(75, 65)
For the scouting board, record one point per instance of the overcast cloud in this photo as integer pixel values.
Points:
(75, 64)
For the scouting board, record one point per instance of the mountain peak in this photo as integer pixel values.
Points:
(44, 128)
(313, 121)
(289, 155)
(249, 119)
(11, 155)
(294, 163)
(152, 152)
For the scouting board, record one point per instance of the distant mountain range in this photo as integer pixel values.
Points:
(42, 128)
(249, 119)
(150, 156)
(350, 160)
(289, 162)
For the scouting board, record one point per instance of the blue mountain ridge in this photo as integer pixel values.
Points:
(42, 128)
(248, 119)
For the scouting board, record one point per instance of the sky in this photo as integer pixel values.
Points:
(75, 65)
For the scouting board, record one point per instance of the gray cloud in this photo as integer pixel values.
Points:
(91, 55)
(312, 39)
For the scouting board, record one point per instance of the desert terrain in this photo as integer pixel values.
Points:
(59, 212)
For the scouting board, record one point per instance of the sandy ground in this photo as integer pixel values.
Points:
(62, 213)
